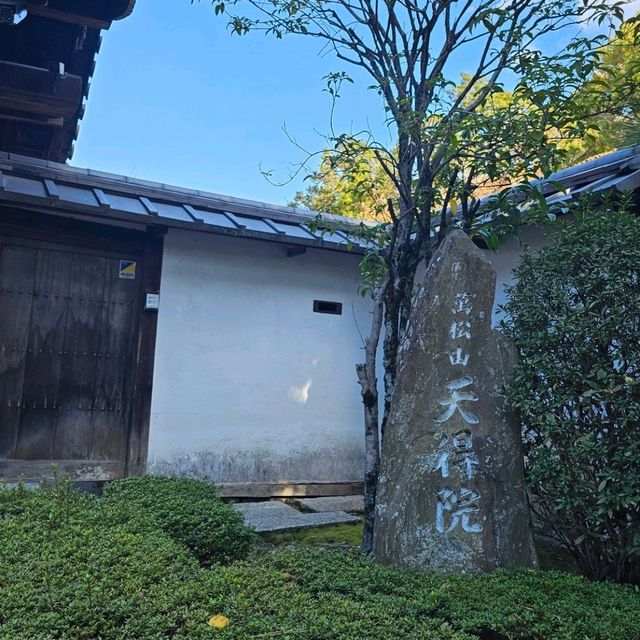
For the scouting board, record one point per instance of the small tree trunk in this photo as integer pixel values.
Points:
(372, 453)
(369, 390)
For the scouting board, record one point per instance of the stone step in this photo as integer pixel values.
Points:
(278, 516)
(349, 504)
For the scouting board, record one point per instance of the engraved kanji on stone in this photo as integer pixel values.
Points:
(459, 454)
(466, 464)
(456, 398)
(465, 460)
(462, 303)
(460, 329)
(443, 464)
(460, 506)
(457, 357)
(462, 440)
(451, 489)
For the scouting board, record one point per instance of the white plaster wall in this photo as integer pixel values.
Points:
(250, 384)
(506, 258)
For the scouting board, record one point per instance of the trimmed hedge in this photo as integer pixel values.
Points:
(86, 581)
(188, 511)
(76, 568)
(513, 605)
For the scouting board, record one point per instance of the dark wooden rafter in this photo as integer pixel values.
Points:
(31, 92)
(96, 14)
(45, 11)
(40, 108)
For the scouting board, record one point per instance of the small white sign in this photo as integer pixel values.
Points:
(152, 302)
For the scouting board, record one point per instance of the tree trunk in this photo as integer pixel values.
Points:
(369, 390)
(372, 453)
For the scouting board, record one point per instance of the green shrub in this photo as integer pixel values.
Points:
(328, 594)
(69, 570)
(188, 511)
(574, 314)
(56, 503)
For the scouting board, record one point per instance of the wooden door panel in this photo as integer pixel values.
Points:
(76, 351)
(43, 360)
(71, 328)
(114, 379)
(81, 358)
(17, 270)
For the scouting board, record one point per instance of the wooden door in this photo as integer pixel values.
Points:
(69, 332)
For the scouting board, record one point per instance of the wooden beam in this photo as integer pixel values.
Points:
(147, 327)
(64, 16)
(32, 119)
(289, 489)
(32, 90)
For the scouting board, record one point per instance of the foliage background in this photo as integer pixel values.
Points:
(574, 314)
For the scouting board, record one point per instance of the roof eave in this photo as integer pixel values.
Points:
(126, 11)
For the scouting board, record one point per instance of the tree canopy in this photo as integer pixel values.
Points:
(617, 75)
(353, 186)
(449, 137)
(360, 188)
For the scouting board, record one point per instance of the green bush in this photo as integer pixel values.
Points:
(188, 511)
(518, 605)
(56, 503)
(327, 594)
(70, 570)
(574, 314)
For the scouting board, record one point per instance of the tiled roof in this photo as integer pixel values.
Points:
(57, 188)
(60, 189)
(618, 169)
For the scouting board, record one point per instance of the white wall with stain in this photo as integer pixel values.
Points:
(250, 384)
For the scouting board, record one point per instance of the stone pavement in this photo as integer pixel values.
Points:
(278, 516)
(350, 504)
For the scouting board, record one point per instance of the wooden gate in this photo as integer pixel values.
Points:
(71, 350)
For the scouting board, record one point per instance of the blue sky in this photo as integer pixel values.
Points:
(175, 98)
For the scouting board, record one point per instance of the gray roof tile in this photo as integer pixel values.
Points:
(60, 188)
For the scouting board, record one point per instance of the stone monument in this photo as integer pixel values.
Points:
(451, 494)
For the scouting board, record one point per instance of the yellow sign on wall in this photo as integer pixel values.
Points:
(127, 269)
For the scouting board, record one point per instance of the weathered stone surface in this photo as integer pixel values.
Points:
(451, 494)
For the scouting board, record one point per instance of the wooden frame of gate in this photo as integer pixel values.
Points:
(36, 231)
